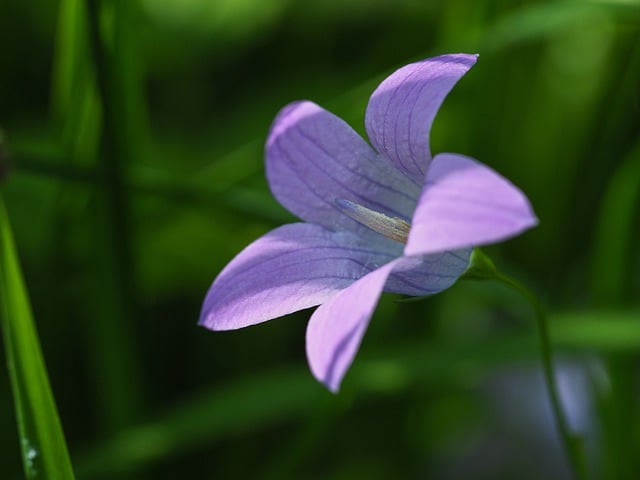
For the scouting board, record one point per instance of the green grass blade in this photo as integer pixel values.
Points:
(44, 451)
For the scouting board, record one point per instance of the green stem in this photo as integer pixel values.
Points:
(572, 442)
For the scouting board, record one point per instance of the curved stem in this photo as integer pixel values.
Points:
(572, 442)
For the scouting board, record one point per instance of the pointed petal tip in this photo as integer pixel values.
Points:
(528, 218)
(334, 389)
(470, 58)
(203, 317)
(532, 221)
(528, 221)
(517, 228)
(466, 59)
(332, 385)
(207, 321)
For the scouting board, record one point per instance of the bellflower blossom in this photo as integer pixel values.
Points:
(381, 217)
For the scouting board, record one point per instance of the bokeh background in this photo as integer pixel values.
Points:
(134, 132)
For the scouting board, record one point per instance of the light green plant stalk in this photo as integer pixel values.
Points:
(44, 451)
(483, 268)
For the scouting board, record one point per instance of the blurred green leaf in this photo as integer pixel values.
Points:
(44, 451)
(603, 331)
(245, 405)
(614, 245)
(268, 398)
(224, 19)
(543, 19)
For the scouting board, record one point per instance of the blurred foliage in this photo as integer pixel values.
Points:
(134, 131)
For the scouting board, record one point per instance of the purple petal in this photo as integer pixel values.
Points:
(336, 328)
(402, 108)
(427, 274)
(314, 158)
(463, 204)
(293, 267)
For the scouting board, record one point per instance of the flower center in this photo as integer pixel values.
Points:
(394, 228)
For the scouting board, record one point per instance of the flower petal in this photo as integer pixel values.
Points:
(293, 267)
(314, 158)
(463, 204)
(427, 274)
(336, 328)
(402, 108)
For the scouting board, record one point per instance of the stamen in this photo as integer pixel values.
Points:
(391, 227)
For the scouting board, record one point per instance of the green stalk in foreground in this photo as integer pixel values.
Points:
(44, 451)
(483, 268)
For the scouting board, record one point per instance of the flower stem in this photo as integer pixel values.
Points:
(572, 442)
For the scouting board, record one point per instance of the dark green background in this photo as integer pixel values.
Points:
(136, 173)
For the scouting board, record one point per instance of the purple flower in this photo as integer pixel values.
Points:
(388, 218)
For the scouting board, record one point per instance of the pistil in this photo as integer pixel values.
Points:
(395, 228)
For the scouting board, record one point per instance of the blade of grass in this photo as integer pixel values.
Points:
(44, 451)
(541, 19)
